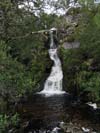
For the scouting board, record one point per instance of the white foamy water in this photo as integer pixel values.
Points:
(53, 84)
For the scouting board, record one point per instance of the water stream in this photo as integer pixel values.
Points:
(53, 84)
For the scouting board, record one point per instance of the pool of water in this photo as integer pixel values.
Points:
(43, 112)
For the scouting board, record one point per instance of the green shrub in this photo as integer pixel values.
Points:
(89, 81)
(15, 77)
(7, 122)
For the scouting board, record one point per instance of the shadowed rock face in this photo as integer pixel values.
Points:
(72, 18)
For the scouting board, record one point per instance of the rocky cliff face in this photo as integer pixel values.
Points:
(72, 19)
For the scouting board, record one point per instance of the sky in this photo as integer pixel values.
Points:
(50, 9)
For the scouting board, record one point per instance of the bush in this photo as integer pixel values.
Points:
(15, 77)
(6, 122)
(89, 81)
(81, 66)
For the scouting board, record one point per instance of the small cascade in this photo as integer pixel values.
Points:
(53, 84)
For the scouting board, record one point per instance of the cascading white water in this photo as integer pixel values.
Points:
(53, 84)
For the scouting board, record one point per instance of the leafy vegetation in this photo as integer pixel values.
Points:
(81, 66)
(6, 122)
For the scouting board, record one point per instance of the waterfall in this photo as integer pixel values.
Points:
(53, 84)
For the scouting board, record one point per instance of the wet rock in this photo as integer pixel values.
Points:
(25, 124)
(48, 131)
(94, 105)
(62, 125)
(55, 130)
(76, 130)
(85, 130)
(11, 131)
(71, 128)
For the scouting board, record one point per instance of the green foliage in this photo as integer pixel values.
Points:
(81, 66)
(15, 119)
(15, 77)
(71, 63)
(23, 57)
(6, 122)
(89, 81)
(97, 19)
(79, 74)
(3, 122)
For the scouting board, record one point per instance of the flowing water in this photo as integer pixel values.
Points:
(53, 84)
